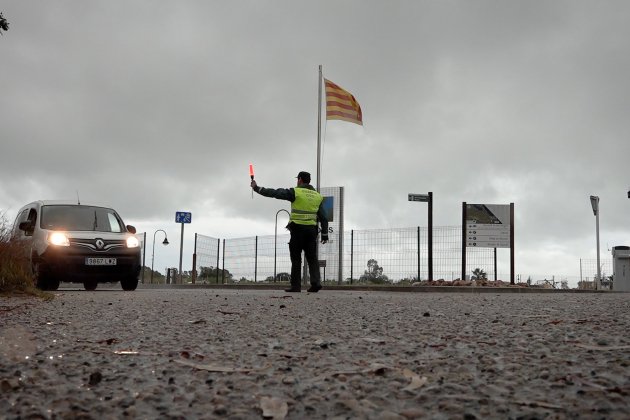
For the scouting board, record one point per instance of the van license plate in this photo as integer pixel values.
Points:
(100, 261)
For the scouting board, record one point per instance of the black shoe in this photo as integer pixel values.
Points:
(314, 288)
(292, 290)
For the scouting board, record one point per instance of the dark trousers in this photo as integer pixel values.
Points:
(303, 238)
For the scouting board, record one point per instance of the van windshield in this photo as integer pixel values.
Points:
(83, 218)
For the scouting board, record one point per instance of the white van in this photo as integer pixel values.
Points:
(78, 243)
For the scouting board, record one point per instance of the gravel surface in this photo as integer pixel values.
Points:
(335, 354)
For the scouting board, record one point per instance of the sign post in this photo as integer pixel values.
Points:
(426, 198)
(322, 263)
(182, 217)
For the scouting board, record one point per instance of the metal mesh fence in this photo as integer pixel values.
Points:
(588, 271)
(272, 263)
(256, 258)
(588, 268)
(207, 251)
(404, 255)
(239, 258)
(375, 256)
(393, 250)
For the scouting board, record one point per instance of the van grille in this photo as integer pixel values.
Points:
(97, 244)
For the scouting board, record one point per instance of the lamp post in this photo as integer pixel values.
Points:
(595, 205)
(275, 242)
(165, 242)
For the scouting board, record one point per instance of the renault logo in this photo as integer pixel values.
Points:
(100, 244)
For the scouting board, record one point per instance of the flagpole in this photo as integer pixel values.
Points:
(319, 126)
(319, 140)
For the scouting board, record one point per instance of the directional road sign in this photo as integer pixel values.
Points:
(418, 197)
(183, 217)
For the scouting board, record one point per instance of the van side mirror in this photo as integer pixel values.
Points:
(26, 227)
(131, 229)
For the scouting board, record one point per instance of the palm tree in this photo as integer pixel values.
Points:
(479, 274)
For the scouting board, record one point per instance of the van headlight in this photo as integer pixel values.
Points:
(58, 239)
(132, 242)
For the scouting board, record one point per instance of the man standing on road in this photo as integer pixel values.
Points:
(306, 209)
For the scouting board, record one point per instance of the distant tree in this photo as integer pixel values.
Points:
(205, 272)
(374, 273)
(4, 25)
(211, 274)
(479, 274)
(284, 276)
(157, 276)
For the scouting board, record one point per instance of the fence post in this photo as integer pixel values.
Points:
(340, 237)
(419, 253)
(144, 253)
(463, 241)
(256, 260)
(351, 254)
(511, 243)
(193, 274)
(218, 249)
(223, 271)
(430, 237)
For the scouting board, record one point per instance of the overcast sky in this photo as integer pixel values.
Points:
(154, 107)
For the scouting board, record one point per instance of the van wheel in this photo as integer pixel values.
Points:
(39, 277)
(129, 283)
(90, 284)
(42, 280)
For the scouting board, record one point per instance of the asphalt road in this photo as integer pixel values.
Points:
(233, 353)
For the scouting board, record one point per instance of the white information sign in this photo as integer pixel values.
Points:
(488, 225)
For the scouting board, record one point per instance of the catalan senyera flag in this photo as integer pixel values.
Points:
(341, 105)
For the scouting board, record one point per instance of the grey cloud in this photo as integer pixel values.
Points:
(158, 107)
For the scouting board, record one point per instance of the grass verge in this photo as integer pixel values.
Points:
(15, 273)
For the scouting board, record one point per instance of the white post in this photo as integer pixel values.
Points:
(595, 206)
(599, 274)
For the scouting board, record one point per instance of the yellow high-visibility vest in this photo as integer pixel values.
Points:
(304, 208)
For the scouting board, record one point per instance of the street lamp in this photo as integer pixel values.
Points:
(595, 205)
(165, 242)
(275, 242)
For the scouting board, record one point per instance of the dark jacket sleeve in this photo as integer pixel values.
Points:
(323, 221)
(279, 193)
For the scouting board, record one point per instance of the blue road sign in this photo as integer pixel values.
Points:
(183, 217)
